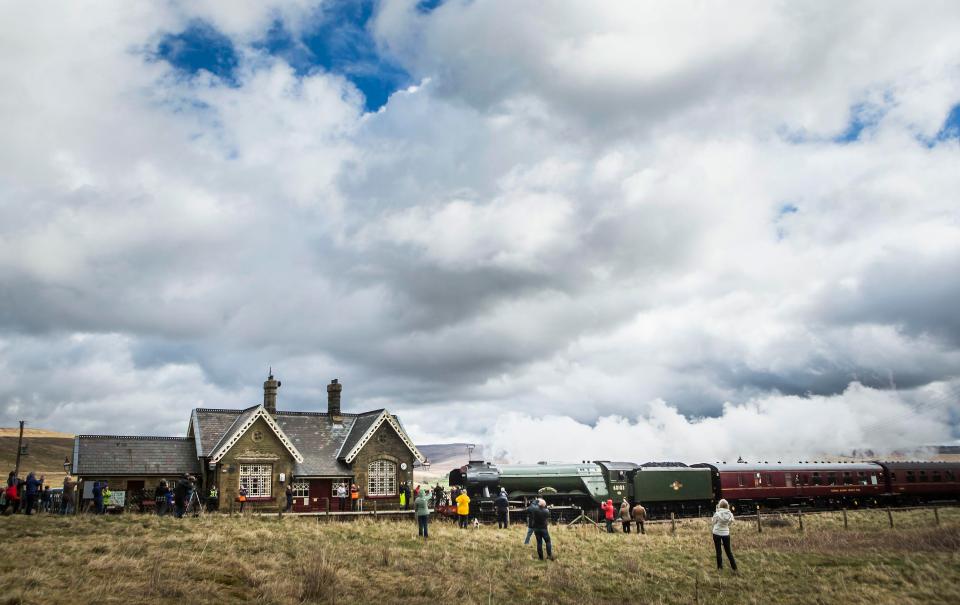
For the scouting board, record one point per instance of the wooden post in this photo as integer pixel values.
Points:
(800, 517)
(231, 508)
(280, 512)
(374, 508)
(673, 523)
(759, 528)
(845, 519)
(890, 517)
(936, 515)
(328, 509)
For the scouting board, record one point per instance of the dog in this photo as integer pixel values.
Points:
(476, 523)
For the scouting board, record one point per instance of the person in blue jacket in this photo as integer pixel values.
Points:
(32, 490)
(98, 497)
(502, 504)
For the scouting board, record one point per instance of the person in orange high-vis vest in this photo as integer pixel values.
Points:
(354, 496)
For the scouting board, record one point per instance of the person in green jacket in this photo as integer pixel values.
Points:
(422, 510)
(106, 496)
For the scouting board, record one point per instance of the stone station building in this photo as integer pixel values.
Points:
(264, 450)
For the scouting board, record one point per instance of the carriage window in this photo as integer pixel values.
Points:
(769, 479)
(758, 480)
(923, 476)
(805, 479)
(788, 479)
(862, 476)
(831, 478)
(847, 478)
(739, 480)
(936, 476)
(910, 477)
(816, 479)
(873, 479)
(949, 475)
(893, 476)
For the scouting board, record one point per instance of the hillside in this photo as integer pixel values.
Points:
(45, 452)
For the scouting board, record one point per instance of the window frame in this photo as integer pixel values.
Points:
(264, 472)
(382, 482)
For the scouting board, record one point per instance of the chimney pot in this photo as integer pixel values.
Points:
(333, 399)
(270, 387)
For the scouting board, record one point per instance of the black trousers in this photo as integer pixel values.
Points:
(464, 519)
(543, 535)
(422, 522)
(501, 519)
(609, 526)
(640, 529)
(626, 527)
(725, 540)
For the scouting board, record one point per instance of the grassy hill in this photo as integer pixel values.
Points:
(45, 453)
(220, 559)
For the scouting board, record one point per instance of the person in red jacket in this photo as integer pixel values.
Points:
(608, 514)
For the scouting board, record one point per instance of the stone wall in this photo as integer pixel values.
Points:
(269, 450)
(385, 443)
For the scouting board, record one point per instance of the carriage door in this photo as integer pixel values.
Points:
(320, 494)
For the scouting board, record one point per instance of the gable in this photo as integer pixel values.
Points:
(256, 417)
(384, 420)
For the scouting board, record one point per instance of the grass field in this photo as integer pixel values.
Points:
(218, 559)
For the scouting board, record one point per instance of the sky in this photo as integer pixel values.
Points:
(563, 230)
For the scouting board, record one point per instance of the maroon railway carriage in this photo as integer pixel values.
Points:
(820, 484)
(915, 482)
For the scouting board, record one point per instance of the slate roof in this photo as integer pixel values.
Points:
(209, 426)
(319, 440)
(360, 428)
(124, 455)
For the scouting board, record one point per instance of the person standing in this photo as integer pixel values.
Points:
(67, 503)
(98, 497)
(608, 512)
(722, 519)
(160, 497)
(181, 493)
(342, 496)
(107, 495)
(530, 512)
(421, 508)
(463, 509)
(625, 515)
(45, 499)
(639, 515)
(403, 495)
(541, 519)
(33, 486)
(289, 493)
(213, 500)
(502, 504)
(242, 497)
(354, 496)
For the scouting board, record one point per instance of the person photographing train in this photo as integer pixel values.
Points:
(722, 520)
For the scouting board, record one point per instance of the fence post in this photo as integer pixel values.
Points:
(800, 517)
(231, 508)
(845, 519)
(890, 517)
(673, 523)
(328, 510)
(374, 508)
(280, 512)
(936, 515)
(759, 528)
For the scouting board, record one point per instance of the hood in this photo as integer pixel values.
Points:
(609, 502)
(724, 514)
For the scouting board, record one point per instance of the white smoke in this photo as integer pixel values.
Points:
(767, 428)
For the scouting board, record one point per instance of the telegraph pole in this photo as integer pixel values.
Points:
(16, 469)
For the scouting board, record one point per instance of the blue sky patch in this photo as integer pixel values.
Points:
(863, 116)
(200, 47)
(951, 126)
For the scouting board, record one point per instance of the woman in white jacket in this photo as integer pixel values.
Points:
(722, 519)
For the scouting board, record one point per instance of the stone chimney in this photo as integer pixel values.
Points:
(270, 387)
(333, 399)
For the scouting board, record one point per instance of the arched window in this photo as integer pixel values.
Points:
(382, 478)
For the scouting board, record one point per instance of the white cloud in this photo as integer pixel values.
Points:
(575, 212)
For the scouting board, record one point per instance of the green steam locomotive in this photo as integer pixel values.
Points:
(662, 488)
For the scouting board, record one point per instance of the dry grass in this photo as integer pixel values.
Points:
(133, 559)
